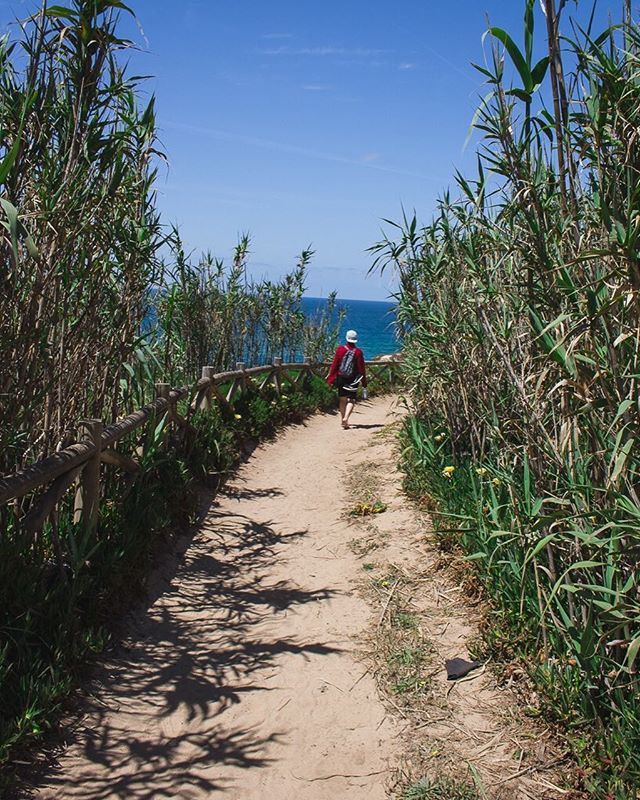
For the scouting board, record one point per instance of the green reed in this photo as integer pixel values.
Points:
(522, 309)
(90, 306)
(208, 314)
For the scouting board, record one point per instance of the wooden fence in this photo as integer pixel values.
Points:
(79, 464)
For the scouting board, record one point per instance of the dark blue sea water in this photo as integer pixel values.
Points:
(373, 321)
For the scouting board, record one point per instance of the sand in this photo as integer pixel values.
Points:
(241, 676)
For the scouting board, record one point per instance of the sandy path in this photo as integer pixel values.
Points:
(241, 679)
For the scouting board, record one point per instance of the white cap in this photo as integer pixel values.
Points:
(352, 336)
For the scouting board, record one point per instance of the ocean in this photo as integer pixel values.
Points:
(372, 319)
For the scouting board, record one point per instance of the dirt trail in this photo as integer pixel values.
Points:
(247, 676)
(240, 680)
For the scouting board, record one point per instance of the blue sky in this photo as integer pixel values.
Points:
(306, 123)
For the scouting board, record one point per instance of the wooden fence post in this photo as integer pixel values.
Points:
(205, 400)
(277, 364)
(87, 500)
(241, 367)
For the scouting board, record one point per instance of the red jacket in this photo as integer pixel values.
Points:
(359, 363)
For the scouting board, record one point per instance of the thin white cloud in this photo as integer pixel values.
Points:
(277, 36)
(453, 66)
(356, 52)
(406, 65)
(316, 87)
(282, 147)
(375, 63)
(367, 158)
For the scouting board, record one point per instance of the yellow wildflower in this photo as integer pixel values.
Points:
(448, 471)
(481, 471)
(496, 482)
(237, 416)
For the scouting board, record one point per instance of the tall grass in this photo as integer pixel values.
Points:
(80, 232)
(87, 299)
(522, 303)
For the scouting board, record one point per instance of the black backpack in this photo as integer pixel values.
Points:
(347, 368)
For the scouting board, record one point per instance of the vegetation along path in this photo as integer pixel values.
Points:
(260, 666)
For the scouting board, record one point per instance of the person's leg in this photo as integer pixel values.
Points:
(342, 403)
(347, 413)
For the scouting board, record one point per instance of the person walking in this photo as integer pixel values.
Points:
(347, 373)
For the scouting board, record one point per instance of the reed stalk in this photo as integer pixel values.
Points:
(521, 302)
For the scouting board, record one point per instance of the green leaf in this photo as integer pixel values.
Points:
(12, 224)
(620, 232)
(604, 606)
(528, 29)
(61, 11)
(539, 71)
(16, 229)
(105, 5)
(526, 480)
(560, 583)
(484, 71)
(31, 246)
(521, 94)
(554, 324)
(621, 460)
(632, 652)
(624, 406)
(585, 565)
(9, 160)
(554, 349)
(539, 546)
(516, 56)
(476, 116)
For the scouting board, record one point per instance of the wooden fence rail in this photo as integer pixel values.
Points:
(80, 463)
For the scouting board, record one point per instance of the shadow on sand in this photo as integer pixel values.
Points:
(153, 722)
